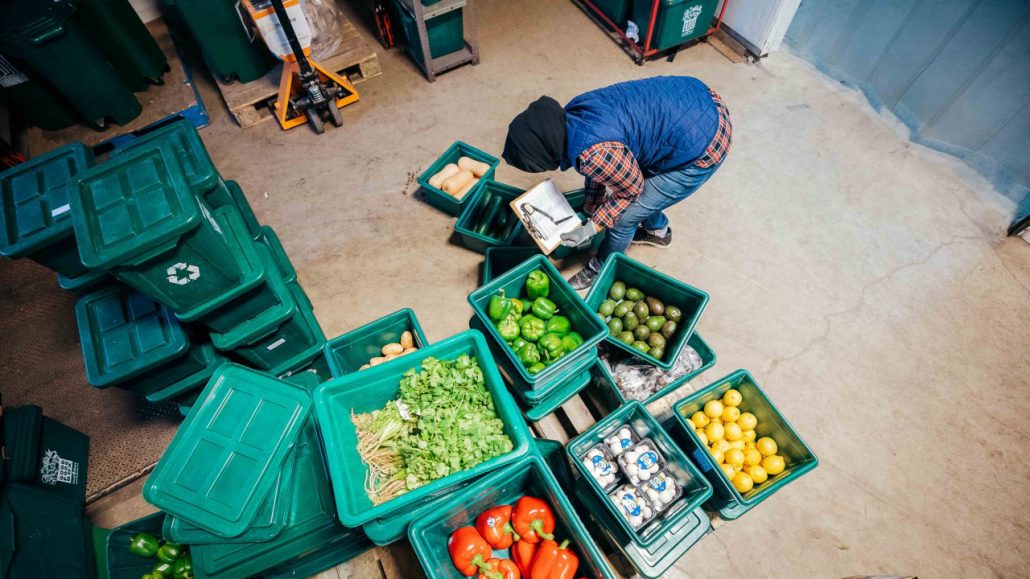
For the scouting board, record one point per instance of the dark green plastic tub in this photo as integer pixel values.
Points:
(444, 201)
(349, 352)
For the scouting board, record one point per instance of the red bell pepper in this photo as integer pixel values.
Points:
(533, 520)
(554, 561)
(500, 569)
(494, 525)
(522, 553)
(469, 552)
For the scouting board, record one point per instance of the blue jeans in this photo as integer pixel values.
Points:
(660, 191)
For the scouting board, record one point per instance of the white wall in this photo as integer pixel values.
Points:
(147, 9)
(761, 23)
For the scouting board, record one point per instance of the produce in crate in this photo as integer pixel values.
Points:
(641, 321)
(620, 440)
(554, 561)
(600, 466)
(661, 490)
(641, 462)
(633, 505)
(172, 560)
(532, 327)
(731, 439)
(493, 218)
(494, 525)
(405, 345)
(424, 434)
(458, 179)
(639, 380)
(469, 551)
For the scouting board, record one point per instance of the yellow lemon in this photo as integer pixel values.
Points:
(715, 432)
(731, 414)
(737, 444)
(713, 409)
(747, 421)
(691, 423)
(732, 431)
(773, 465)
(722, 445)
(728, 471)
(732, 398)
(716, 420)
(700, 419)
(734, 457)
(757, 474)
(742, 482)
(766, 446)
(718, 457)
(752, 456)
(748, 444)
(749, 435)
(701, 434)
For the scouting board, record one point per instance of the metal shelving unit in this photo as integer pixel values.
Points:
(468, 53)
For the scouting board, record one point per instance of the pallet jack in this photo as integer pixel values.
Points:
(308, 92)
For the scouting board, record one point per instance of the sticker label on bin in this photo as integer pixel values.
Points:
(60, 210)
(702, 461)
(275, 344)
(55, 469)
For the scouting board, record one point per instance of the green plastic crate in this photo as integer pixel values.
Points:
(372, 388)
(35, 217)
(346, 545)
(569, 304)
(696, 488)
(232, 195)
(121, 563)
(194, 382)
(137, 216)
(86, 282)
(446, 33)
(529, 476)
(498, 260)
(99, 537)
(131, 341)
(317, 365)
(553, 401)
(270, 521)
(444, 201)
(472, 216)
(270, 239)
(44, 535)
(256, 294)
(298, 334)
(311, 526)
(690, 300)
(183, 141)
(223, 460)
(676, 22)
(349, 352)
(798, 457)
(695, 342)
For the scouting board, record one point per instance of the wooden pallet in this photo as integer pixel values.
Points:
(248, 102)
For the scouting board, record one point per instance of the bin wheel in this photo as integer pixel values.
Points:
(154, 80)
(226, 78)
(99, 125)
(315, 120)
(335, 115)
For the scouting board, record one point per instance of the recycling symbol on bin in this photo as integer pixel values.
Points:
(183, 273)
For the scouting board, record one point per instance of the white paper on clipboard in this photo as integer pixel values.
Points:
(546, 214)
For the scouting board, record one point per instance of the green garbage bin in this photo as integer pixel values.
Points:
(677, 21)
(230, 50)
(45, 453)
(446, 32)
(44, 535)
(129, 340)
(35, 213)
(32, 98)
(137, 217)
(124, 40)
(615, 10)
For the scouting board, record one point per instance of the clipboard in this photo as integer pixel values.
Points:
(546, 214)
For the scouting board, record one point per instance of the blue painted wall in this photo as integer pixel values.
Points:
(957, 72)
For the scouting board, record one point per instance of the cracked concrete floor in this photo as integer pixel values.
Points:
(863, 280)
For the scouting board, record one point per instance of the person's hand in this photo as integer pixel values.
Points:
(579, 236)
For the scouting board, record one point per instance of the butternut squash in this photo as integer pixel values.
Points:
(464, 190)
(448, 170)
(456, 182)
(478, 168)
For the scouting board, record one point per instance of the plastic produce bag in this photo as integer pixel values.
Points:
(638, 380)
(327, 32)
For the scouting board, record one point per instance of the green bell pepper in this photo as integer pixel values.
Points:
(544, 308)
(499, 306)
(528, 355)
(169, 552)
(517, 306)
(571, 341)
(538, 285)
(183, 567)
(551, 346)
(144, 545)
(162, 570)
(532, 328)
(536, 368)
(559, 325)
(508, 328)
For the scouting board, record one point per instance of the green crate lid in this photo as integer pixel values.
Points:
(182, 140)
(211, 359)
(271, 518)
(311, 523)
(34, 210)
(132, 206)
(124, 334)
(223, 461)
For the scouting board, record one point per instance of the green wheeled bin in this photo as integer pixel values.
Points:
(230, 50)
(32, 98)
(137, 217)
(45, 453)
(446, 32)
(35, 212)
(125, 41)
(43, 535)
(676, 22)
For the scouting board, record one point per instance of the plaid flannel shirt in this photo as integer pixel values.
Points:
(614, 179)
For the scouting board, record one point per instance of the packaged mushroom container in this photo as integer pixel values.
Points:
(600, 464)
(662, 490)
(641, 462)
(634, 506)
(620, 440)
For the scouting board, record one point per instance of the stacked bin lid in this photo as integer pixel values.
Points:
(35, 215)
(183, 141)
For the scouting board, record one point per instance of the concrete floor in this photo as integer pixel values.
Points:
(864, 281)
